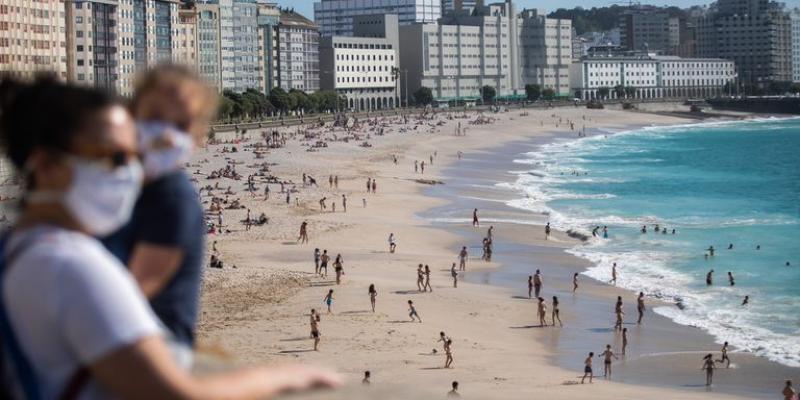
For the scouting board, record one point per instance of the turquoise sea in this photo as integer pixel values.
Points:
(716, 184)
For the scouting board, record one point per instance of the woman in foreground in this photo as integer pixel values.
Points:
(74, 313)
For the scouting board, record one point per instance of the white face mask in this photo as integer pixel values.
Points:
(100, 199)
(157, 161)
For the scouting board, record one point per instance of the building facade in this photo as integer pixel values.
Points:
(92, 43)
(269, 17)
(651, 76)
(363, 67)
(755, 34)
(209, 46)
(184, 44)
(455, 5)
(238, 26)
(795, 45)
(33, 38)
(335, 17)
(546, 51)
(298, 53)
(649, 29)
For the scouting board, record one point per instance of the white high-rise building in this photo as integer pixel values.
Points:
(32, 38)
(795, 45)
(335, 17)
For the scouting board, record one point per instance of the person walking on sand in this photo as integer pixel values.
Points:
(574, 282)
(462, 259)
(303, 238)
(329, 300)
(338, 268)
(542, 308)
(788, 391)
(367, 376)
(475, 221)
(369, 184)
(454, 392)
(607, 356)
(374, 186)
(537, 282)
(420, 278)
(448, 351)
(323, 266)
(640, 307)
(725, 358)
(373, 294)
(392, 243)
(619, 312)
(587, 368)
(427, 285)
(316, 261)
(412, 312)
(454, 274)
(624, 340)
(490, 233)
(344, 203)
(530, 286)
(315, 328)
(547, 231)
(555, 313)
(708, 366)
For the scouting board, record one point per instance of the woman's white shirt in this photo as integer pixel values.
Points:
(70, 303)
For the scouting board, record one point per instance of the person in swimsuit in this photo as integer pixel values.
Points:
(624, 340)
(730, 278)
(640, 307)
(367, 376)
(427, 284)
(448, 351)
(530, 286)
(587, 368)
(542, 308)
(329, 300)
(614, 273)
(574, 282)
(708, 366)
(537, 282)
(788, 391)
(710, 278)
(339, 268)
(316, 261)
(323, 266)
(303, 238)
(462, 258)
(412, 312)
(315, 328)
(555, 313)
(746, 300)
(454, 391)
(454, 274)
(475, 218)
(547, 231)
(725, 358)
(619, 312)
(372, 295)
(607, 355)
(420, 278)
(392, 243)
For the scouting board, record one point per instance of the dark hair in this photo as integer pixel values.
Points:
(44, 114)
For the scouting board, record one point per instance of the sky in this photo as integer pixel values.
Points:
(306, 7)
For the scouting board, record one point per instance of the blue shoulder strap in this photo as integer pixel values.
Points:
(23, 370)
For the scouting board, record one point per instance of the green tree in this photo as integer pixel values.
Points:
(488, 93)
(298, 100)
(225, 109)
(423, 96)
(603, 91)
(630, 92)
(533, 92)
(548, 94)
(280, 99)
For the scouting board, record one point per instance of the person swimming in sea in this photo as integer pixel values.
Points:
(644, 228)
(730, 278)
(711, 251)
(746, 300)
(730, 246)
(709, 278)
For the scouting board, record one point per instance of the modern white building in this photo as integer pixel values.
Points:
(795, 45)
(238, 27)
(363, 67)
(495, 46)
(298, 53)
(649, 76)
(335, 17)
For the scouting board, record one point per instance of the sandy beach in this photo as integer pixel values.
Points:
(256, 308)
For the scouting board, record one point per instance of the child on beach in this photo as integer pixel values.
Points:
(574, 282)
(607, 356)
(412, 312)
(587, 368)
(640, 307)
(329, 300)
(372, 295)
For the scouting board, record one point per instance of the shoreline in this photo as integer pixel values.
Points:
(259, 311)
(666, 350)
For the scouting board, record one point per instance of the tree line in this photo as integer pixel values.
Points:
(252, 104)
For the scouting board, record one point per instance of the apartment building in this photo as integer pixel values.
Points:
(456, 5)
(184, 43)
(545, 51)
(298, 53)
(795, 45)
(269, 17)
(92, 43)
(209, 46)
(33, 38)
(650, 29)
(755, 34)
(363, 67)
(335, 17)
